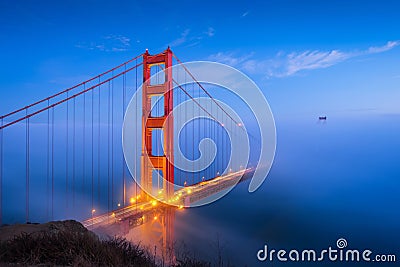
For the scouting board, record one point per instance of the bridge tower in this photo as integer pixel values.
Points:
(150, 161)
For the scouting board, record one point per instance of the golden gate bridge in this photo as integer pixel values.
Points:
(61, 156)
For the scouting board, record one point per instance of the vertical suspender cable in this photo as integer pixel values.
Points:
(108, 145)
(98, 146)
(1, 172)
(161, 135)
(218, 142)
(73, 152)
(213, 169)
(27, 169)
(136, 132)
(230, 141)
(186, 135)
(193, 140)
(84, 144)
(178, 97)
(185, 131)
(92, 147)
(52, 163)
(224, 148)
(211, 136)
(208, 132)
(48, 163)
(67, 158)
(199, 133)
(122, 154)
(112, 142)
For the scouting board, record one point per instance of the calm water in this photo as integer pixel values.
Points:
(339, 179)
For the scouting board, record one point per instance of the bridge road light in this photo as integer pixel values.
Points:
(93, 211)
(119, 204)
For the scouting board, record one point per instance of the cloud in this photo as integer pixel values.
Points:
(245, 14)
(210, 32)
(109, 43)
(389, 45)
(182, 39)
(288, 64)
(189, 40)
(309, 60)
(229, 58)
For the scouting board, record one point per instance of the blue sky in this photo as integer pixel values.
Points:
(308, 57)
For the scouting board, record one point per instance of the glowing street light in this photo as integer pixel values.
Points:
(93, 211)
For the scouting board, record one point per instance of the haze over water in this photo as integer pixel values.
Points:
(330, 180)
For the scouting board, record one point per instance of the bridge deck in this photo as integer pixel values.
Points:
(184, 197)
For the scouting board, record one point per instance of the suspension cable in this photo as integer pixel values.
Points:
(69, 89)
(201, 86)
(69, 98)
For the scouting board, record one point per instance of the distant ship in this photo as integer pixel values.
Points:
(322, 118)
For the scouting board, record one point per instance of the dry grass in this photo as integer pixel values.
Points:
(80, 248)
(77, 249)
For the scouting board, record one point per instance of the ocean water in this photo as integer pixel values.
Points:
(330, 180)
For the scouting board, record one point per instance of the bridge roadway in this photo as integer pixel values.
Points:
(182, 197)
